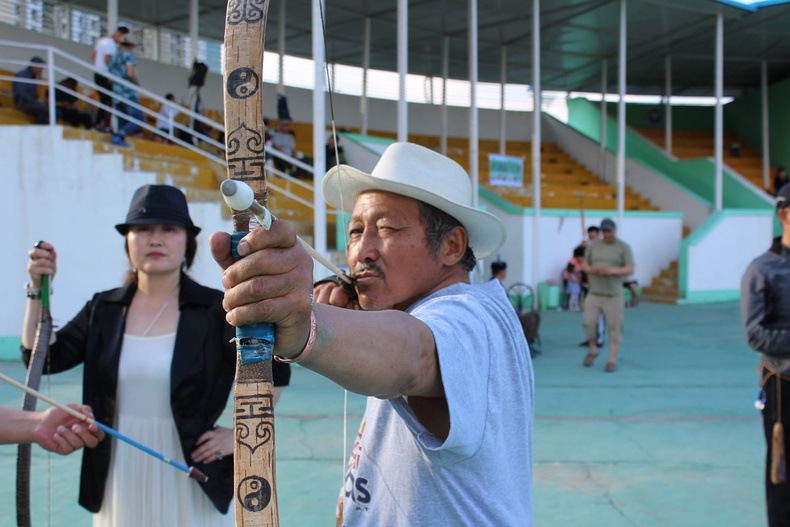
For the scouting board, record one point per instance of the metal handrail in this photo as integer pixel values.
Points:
(53, 69)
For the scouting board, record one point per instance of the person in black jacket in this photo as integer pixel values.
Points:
(158, 365)
(765, 310)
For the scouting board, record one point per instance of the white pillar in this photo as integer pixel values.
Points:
(719, 132)
(363, 100)
(502, 112)
(155, 51)
(668, 106)
(445, 75)
(112, 16)
(621, 116)
(403, 69)
(319, 127)
(194, 22)
(281, 48)
(604, 118)
(474, 147)
(766, 123)
(536, 139)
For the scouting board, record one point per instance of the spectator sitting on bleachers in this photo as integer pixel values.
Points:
(780, 179)
(26, 93)
(283, 141)
(166, 117)
(67, 106)
(333, 152)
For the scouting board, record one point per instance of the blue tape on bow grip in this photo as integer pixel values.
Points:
(254, 342)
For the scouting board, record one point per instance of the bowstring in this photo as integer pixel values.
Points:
(342, 209)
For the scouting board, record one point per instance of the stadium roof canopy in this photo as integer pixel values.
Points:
(575, 36)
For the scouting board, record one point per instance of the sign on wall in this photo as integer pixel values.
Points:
(506, 171)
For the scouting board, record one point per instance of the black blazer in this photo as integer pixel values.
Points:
(201, 377)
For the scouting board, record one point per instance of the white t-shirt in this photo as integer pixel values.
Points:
(401, 475)
(165, 117)
(104, 47)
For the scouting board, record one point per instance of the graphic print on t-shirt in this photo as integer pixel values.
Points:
(355, 488)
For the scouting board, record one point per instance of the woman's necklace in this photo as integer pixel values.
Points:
(159, 314)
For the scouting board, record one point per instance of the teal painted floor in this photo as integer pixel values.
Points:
(672, 439)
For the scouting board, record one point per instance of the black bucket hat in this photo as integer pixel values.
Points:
(158, 204)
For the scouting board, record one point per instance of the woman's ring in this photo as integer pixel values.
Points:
(219, 456)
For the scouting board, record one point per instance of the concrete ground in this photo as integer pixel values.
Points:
(671, 439)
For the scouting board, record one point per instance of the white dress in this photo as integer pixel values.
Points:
(142, 491)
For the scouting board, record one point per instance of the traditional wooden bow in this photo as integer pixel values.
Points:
(33, 380)
(253, 450)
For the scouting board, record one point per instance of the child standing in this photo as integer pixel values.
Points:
(573, 288)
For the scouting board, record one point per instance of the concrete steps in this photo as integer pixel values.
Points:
(691, 144)
(664, 288)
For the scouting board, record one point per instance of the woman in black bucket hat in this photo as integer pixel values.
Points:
(159, 364)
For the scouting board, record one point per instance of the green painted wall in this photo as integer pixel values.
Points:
(695, 175)
(744, 115)
(683, 117)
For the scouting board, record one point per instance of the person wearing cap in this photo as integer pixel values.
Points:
(444, 363)
(103, 51)
(124, 65)
(25, 91)
(159, 363)
(52, 429)
(606, 262)
(765, 310)
(498, 270)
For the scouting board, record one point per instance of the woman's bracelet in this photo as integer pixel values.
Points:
(31, 292)
(308, 348)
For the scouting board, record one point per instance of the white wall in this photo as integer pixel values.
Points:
(654, 239)
(59, 191)
(716, 261)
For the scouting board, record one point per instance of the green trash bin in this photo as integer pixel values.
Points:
(543, 295)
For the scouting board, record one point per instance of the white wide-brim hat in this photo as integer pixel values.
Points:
(417, 172)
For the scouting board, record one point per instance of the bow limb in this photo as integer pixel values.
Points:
(33, 380)
(253, 451)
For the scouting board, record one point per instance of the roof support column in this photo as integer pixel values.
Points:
(194, 23)
(604, 118)
(281, 48)
(319, 132)
(445, 76)
(112, 16)
(719, 125)
(621, 116)
(403, 69)
(502, 113)
(363, 100)
(668, 105)
(766, 123)
(536, 139)
(474, 146)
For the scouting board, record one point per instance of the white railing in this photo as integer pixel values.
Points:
(60, 63)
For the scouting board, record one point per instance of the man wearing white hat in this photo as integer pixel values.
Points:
(446, 438)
